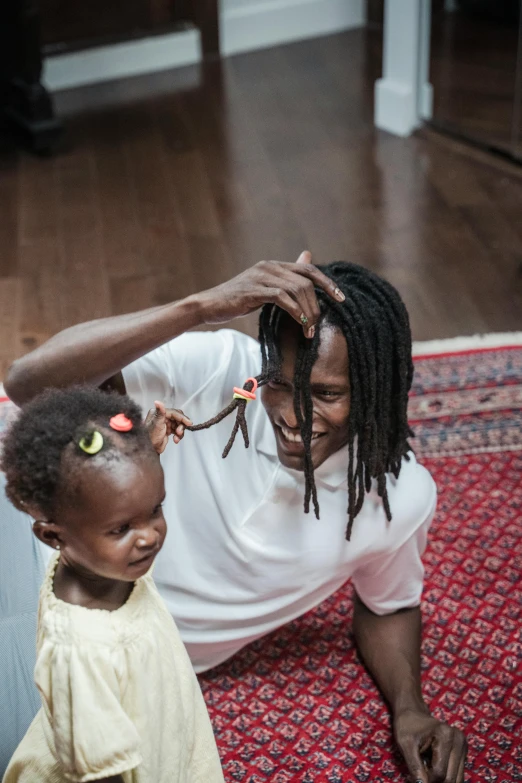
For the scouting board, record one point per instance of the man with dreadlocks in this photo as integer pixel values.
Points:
(243, 556)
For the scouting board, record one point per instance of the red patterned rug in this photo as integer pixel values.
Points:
(298, 705)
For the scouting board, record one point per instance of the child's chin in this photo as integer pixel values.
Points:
(142, 566)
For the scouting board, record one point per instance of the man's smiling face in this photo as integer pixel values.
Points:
(330, 389)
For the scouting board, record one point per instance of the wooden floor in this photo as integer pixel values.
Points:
(175, 182)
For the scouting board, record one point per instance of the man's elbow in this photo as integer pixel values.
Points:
(16, 383)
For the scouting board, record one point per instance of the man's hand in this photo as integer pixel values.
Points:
(290, 286)
(390, 645)
(163, 422)
(420, 735)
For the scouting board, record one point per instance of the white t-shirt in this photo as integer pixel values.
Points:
(241, 557)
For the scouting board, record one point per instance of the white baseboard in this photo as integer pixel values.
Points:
(396, 108)
(257, 24)
(133, 58)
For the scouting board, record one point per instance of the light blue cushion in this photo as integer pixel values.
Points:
(21, 574)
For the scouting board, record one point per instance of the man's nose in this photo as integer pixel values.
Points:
(288, 417)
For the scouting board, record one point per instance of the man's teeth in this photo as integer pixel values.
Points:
(295, 437)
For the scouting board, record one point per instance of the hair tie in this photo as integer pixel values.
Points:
(92, 444)
(243, 394)
(121, 423)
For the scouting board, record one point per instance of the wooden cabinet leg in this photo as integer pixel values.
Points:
(25, 104)
(206, 17)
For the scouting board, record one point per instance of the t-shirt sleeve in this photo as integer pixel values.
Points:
(93, 735)
(393, 579)
(190, 364)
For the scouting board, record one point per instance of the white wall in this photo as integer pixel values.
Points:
(256, 24)
(245, 25)
(226, 4)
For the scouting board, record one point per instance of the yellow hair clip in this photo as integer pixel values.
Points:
(92, 444)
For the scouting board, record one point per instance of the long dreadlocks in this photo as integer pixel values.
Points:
(375, 325)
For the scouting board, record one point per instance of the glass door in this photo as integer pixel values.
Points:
(476, 71)
(517, 113)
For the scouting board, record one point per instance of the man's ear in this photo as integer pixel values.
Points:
(48, 532)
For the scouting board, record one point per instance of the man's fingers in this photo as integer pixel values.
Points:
(412, 757)
(310, 306)
(449, 751)
(320, 280)
(460, 773)
(292, 287)
(286, 302)
(305, 257)
(443, 754)
(301, 307)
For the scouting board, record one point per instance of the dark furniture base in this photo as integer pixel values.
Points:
(26, 108)
(29, 117)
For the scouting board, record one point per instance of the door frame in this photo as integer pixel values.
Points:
(404, 95)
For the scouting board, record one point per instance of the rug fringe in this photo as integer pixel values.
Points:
(474, 342)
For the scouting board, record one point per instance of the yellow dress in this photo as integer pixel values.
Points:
(119, 696)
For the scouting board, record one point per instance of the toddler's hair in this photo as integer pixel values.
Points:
(41, 449)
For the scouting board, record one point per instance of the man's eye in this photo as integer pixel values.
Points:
(157, 510)
(275, 383)
(118, 531)
(326, 393)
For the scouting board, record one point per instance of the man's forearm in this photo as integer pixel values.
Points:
(94, 351)
(390, 648)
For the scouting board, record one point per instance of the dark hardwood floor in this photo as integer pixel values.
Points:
(172, 183)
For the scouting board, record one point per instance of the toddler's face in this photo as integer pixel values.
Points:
(115, 527)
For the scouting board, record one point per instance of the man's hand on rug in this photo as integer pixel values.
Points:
(420, 736)
(163, 422)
